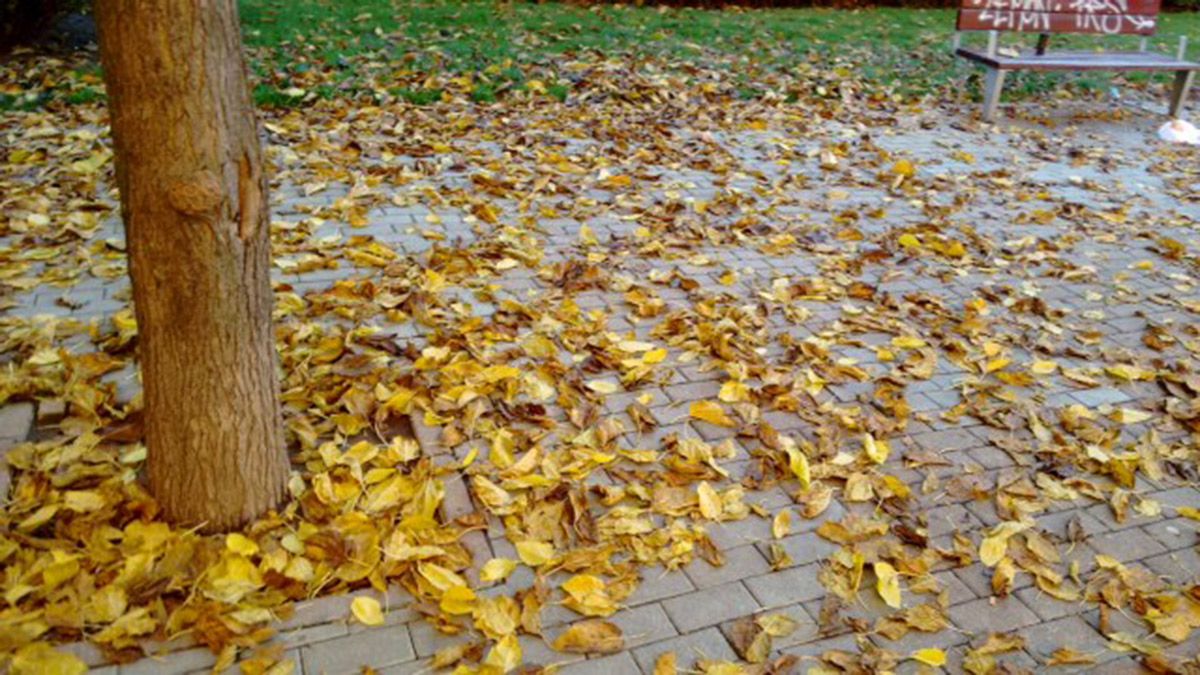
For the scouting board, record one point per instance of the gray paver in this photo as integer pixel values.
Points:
(710, 606)
(992, 615)
(740, 563)
(378, 647)
(785, 587)
(708, 643)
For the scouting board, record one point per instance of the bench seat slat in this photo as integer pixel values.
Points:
(1148, 61)
(1056, 22)
(1067, 6)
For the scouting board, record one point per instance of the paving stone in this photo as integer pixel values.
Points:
(16, 421)
(813, 649)
(788, 586)
(1123, 665)
(317, 610)
(421, 667)
(457, 501)
(708, 643)
(740, 532)
(1177, 497)
(1179, 567)
(536, 652)
(710, 606)
(992, 615)
(1103, 514)
(1019, 659)
(1048, 607)
(169, 664)
(378, 648)
(658, 584)
(428, 640)
(1175, 533)
(802, 548)
(1042, 640)
(613, 664)
(740, 563)
(1126, 545)
(958, 591)
(806, 628)
(643, 625)
(87, 652)
(310, 635)
(978, 579)
(949, 519)
(693, 391)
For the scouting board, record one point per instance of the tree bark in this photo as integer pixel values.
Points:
(194, 203)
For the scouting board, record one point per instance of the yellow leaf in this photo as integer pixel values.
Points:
(458, 600)
(39, 658)
(654, 356)
(367, 611)
(711, 412)
(907, 342)
(909, 241)
(993, 550)
(996, 364)
(782, 524)
(232, 578)
(602, 386)
(710, 501)
(1189, 512)
(581, 585)
(930, 657)
(1129, 416)
(587, 236)
(535, 553)
(83, 501)
(591, 637)
(888, 584)
(733, 391)
(799, 465)
(497, 569)
(240, 544)
(1043, 367)
(506, 655)
(995, 546)
(877, 450)
(665, 664)
(904, 168)
(777, 625)
(439, 577)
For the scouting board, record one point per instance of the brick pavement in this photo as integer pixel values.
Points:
(689, 611)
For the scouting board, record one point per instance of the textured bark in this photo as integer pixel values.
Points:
(194, 202)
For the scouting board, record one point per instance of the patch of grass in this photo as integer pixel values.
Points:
(558, 91)
(502, 44)
(417, 96)
(423, 51)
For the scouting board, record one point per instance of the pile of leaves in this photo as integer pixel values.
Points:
(561, 276)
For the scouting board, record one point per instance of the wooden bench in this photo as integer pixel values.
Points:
(1051, 17)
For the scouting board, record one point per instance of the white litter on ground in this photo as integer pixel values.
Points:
(1179, 131)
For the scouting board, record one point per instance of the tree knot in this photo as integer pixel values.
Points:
(198, 195)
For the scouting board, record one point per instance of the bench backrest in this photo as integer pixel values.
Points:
(1109, 17)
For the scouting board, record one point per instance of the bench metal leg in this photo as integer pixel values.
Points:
(1183, 82)
(991, 92)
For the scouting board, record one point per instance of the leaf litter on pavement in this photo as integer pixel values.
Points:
(568, 273)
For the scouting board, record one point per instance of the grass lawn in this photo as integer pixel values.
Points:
(503, 46)
(424, 50)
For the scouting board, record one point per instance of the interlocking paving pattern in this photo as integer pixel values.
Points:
(1103, 167)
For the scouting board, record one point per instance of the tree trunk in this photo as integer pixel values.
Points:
(194, 203)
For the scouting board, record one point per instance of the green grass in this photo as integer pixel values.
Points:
(501, 46)
(426, 51)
